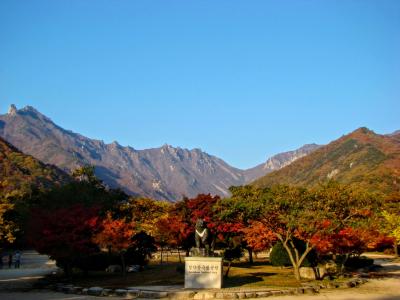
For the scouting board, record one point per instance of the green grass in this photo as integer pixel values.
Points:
(258, 275)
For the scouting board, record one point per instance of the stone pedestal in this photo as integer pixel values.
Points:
(203, 272)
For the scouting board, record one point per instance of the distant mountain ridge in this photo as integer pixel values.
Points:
(161, 173)
(361, 158)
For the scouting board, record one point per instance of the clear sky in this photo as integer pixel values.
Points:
(242, 80)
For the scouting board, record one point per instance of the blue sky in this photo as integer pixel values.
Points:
(242, 80)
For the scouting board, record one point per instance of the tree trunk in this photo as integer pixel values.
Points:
(292, 259)
(296, 259)
(161, 256)
(346, 257)
(67, 270)
(395, 248)
(296, 271)
(123, 263)
(179, 254)
(86, 270)
(250, 255)
(227, 270)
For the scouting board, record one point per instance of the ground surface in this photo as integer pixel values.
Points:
(382, 289)
(15, 284)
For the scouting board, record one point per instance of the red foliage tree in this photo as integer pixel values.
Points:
(64, 234)
(177, 230)
(201, 207)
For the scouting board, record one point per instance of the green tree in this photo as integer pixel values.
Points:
(392, 228)
(294, 212)
(87, 173)
(390, 222)
(8, 227)
(239, 210)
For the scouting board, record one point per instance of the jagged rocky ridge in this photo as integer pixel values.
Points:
(161, 173)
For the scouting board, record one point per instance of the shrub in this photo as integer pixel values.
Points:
(143, 246)
(97, 262)
(280, 257)
(357, 262)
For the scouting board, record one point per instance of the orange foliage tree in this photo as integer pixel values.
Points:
(115, 235)
(258, 237)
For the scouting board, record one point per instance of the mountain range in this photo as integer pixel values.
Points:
(362, 158)
(161, 173)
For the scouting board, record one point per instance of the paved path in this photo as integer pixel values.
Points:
(33, 267)
(386, 289)
(46, 295)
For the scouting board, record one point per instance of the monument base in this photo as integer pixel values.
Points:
(203, 272)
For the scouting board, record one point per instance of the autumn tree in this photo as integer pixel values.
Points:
(8, 227)
(182, 221)
(202, 207)
(172, 231)
(115, 235)
(163, 235)
(141, 249)
(175, 227)
(390, 224)
(86, 173)
(294, 212)
(258, 237)
(237, 214)
(392, 228)
(144, 212)
(64, 234)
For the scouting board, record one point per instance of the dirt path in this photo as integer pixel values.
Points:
(376, 289)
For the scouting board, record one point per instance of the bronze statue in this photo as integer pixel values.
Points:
(204, 240)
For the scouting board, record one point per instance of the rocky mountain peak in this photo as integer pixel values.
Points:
(12, 111)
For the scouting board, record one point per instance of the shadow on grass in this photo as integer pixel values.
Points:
(240, 281)
(263, 274)
(248, 265)
(165, 274)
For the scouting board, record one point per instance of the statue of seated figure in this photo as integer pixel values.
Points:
(204, 240)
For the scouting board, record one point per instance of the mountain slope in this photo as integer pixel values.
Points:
(19, 171)
(362, 158)
(279, 161)
(160, 173)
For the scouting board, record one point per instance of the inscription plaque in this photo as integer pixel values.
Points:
(203, 272)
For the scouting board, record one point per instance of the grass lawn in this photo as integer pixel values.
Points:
(258, 275)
